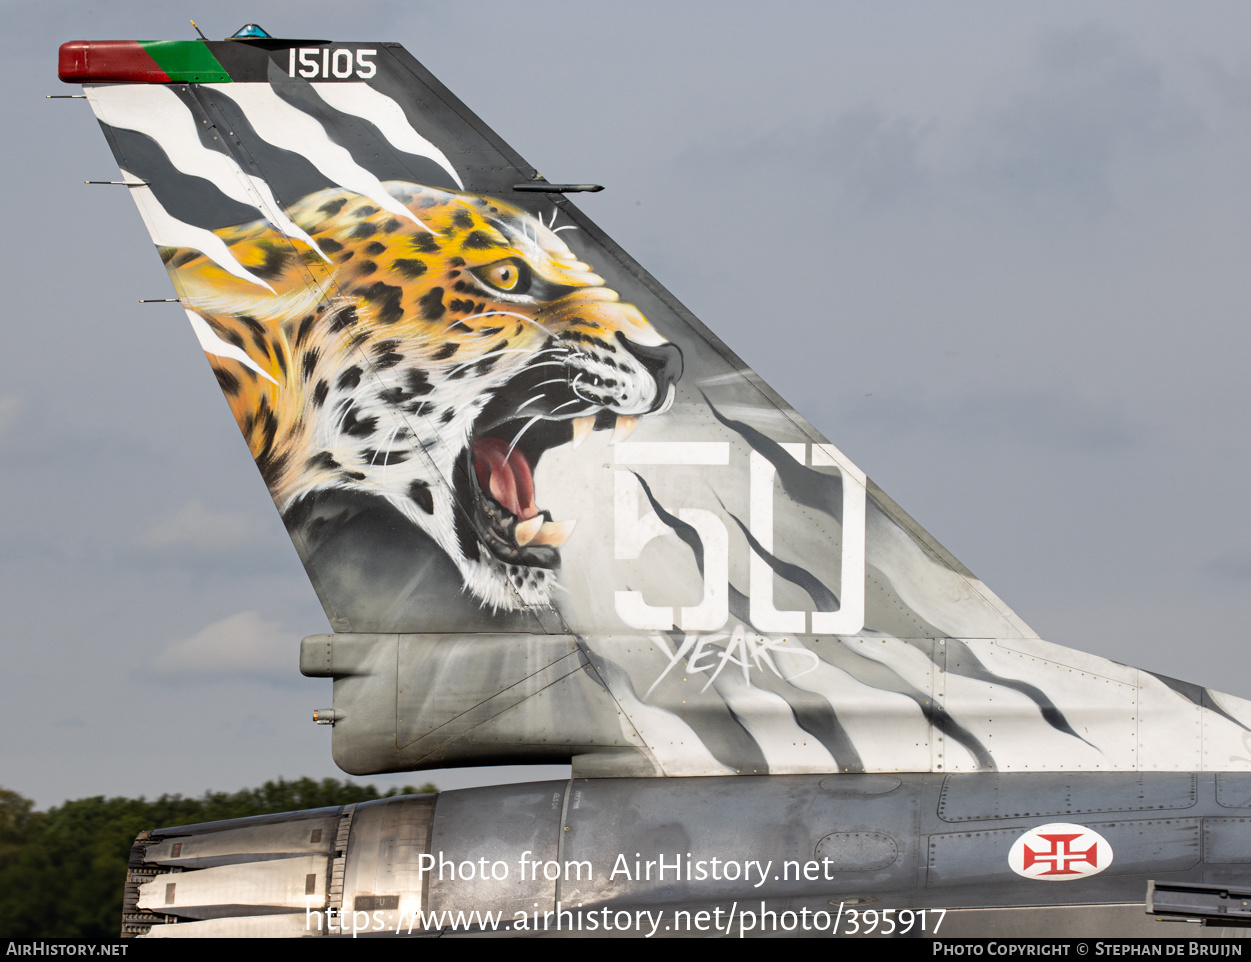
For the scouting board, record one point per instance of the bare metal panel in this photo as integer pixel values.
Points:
(1227, 840)
(292, 926)
(747, 836)
(440, 694)
(1233, 789)
(382, 871)
(253, 843)
(254, 888)
(971, 797)
(422, 697)
(857, 851)
(474, 829)
(860, 784)
(227, 824)
(366, 696)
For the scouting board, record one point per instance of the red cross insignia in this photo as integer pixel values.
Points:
(1060, 852)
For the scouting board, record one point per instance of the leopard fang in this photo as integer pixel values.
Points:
(554, 533)
(625, 424)
(526, 531)
(582, 429)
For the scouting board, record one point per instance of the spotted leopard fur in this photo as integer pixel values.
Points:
(366, 363)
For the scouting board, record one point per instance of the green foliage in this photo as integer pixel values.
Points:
(62, 871)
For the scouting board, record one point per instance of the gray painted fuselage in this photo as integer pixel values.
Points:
(656, 847)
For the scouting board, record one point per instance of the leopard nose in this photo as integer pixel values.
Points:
(662, 361)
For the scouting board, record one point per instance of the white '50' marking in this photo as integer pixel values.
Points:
(632, 533)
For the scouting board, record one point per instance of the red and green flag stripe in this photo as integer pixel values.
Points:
(140, 61)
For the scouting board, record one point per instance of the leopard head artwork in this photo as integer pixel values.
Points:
(428, 360)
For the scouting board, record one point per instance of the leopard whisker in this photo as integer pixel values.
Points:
(549, 350)
(537, 397)
(522, 237)
(573, 386)
(569, 355)
(508, 350)
(521, 317)
(562, 357)
(346, 405)
(378, 451)
(524, 429)
(531, 367)
(387, 458)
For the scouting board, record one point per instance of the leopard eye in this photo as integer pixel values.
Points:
(503, 275)
(509, 276)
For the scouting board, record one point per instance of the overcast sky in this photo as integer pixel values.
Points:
(997, 253)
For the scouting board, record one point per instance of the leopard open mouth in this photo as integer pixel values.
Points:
(565, 394)
(498, 480)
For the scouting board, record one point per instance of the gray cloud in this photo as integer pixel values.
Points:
(1232, 566)
(11, 409)
(198, 531)
(244, 645)
(864, 157)
(996, 417)
(1089, 104)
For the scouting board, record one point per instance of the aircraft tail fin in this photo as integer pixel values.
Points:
(410, 328)
(481, 420)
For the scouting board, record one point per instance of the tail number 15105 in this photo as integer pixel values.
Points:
(324, 63)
